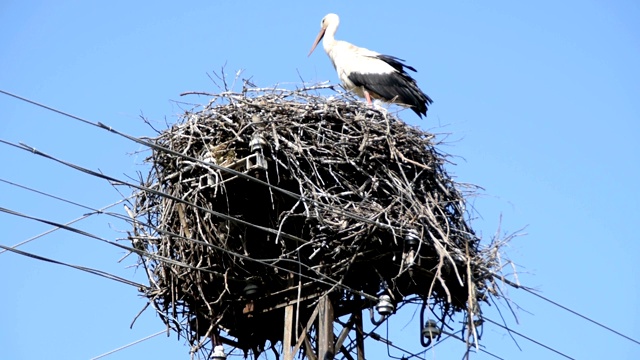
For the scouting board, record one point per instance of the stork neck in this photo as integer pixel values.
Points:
(329, 38)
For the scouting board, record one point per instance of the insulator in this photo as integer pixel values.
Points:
(218, 353)
(251, 290)
(412, 239)
(257, 142)
(431, 329)
(385, 306)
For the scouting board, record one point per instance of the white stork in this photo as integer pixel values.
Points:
(370, 74)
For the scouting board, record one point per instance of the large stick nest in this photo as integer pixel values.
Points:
(354, 203)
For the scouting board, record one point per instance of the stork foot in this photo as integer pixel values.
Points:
(379, 106)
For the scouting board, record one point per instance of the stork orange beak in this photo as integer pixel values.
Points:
(315, 43)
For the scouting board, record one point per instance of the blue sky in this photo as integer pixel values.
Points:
(538, 101)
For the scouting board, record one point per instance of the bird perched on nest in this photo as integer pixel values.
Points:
(370, 74)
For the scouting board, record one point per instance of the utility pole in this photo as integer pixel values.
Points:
(325, 329)
(327, 343)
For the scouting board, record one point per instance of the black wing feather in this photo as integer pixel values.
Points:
(397, 63)
(397, 86)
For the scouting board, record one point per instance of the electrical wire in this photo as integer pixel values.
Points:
(119, 216)
(154, 146)
(87, 234)
(77, 267)
(372, 334)
(326, 280)
(330, 282)
(156, 192)
(439, 342)
(152, 191)
(159, 193)
(100, 273)
(528, 338)
(388, 343)
(48, 195)
(128, 345)
(208, 164)
(583, 317)
(94, 212)
(530, 291)
(227, 217)
(215, 213)
(453, 336)
(215, 166)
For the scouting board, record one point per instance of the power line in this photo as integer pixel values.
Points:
(96, 237)
(582, 316)
(162, 194)
(331, 281)
(77, 267)
(94, 212)
(372, 334)
(294, 195)
(377, 337)
(111, 214)
(530, 291)
(174, 198)
(46, 194)
(110, 276)
(25, 147)
(152, 191)
(157, 147)
(128, 345)
(530, 339)
(228, 217)
(387, 342)
(454, 336)
(215, 166)
(325, 279)
(114, 277)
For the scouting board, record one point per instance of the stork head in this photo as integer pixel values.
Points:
(331, 22)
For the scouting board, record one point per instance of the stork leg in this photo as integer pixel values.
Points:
(368, 97)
